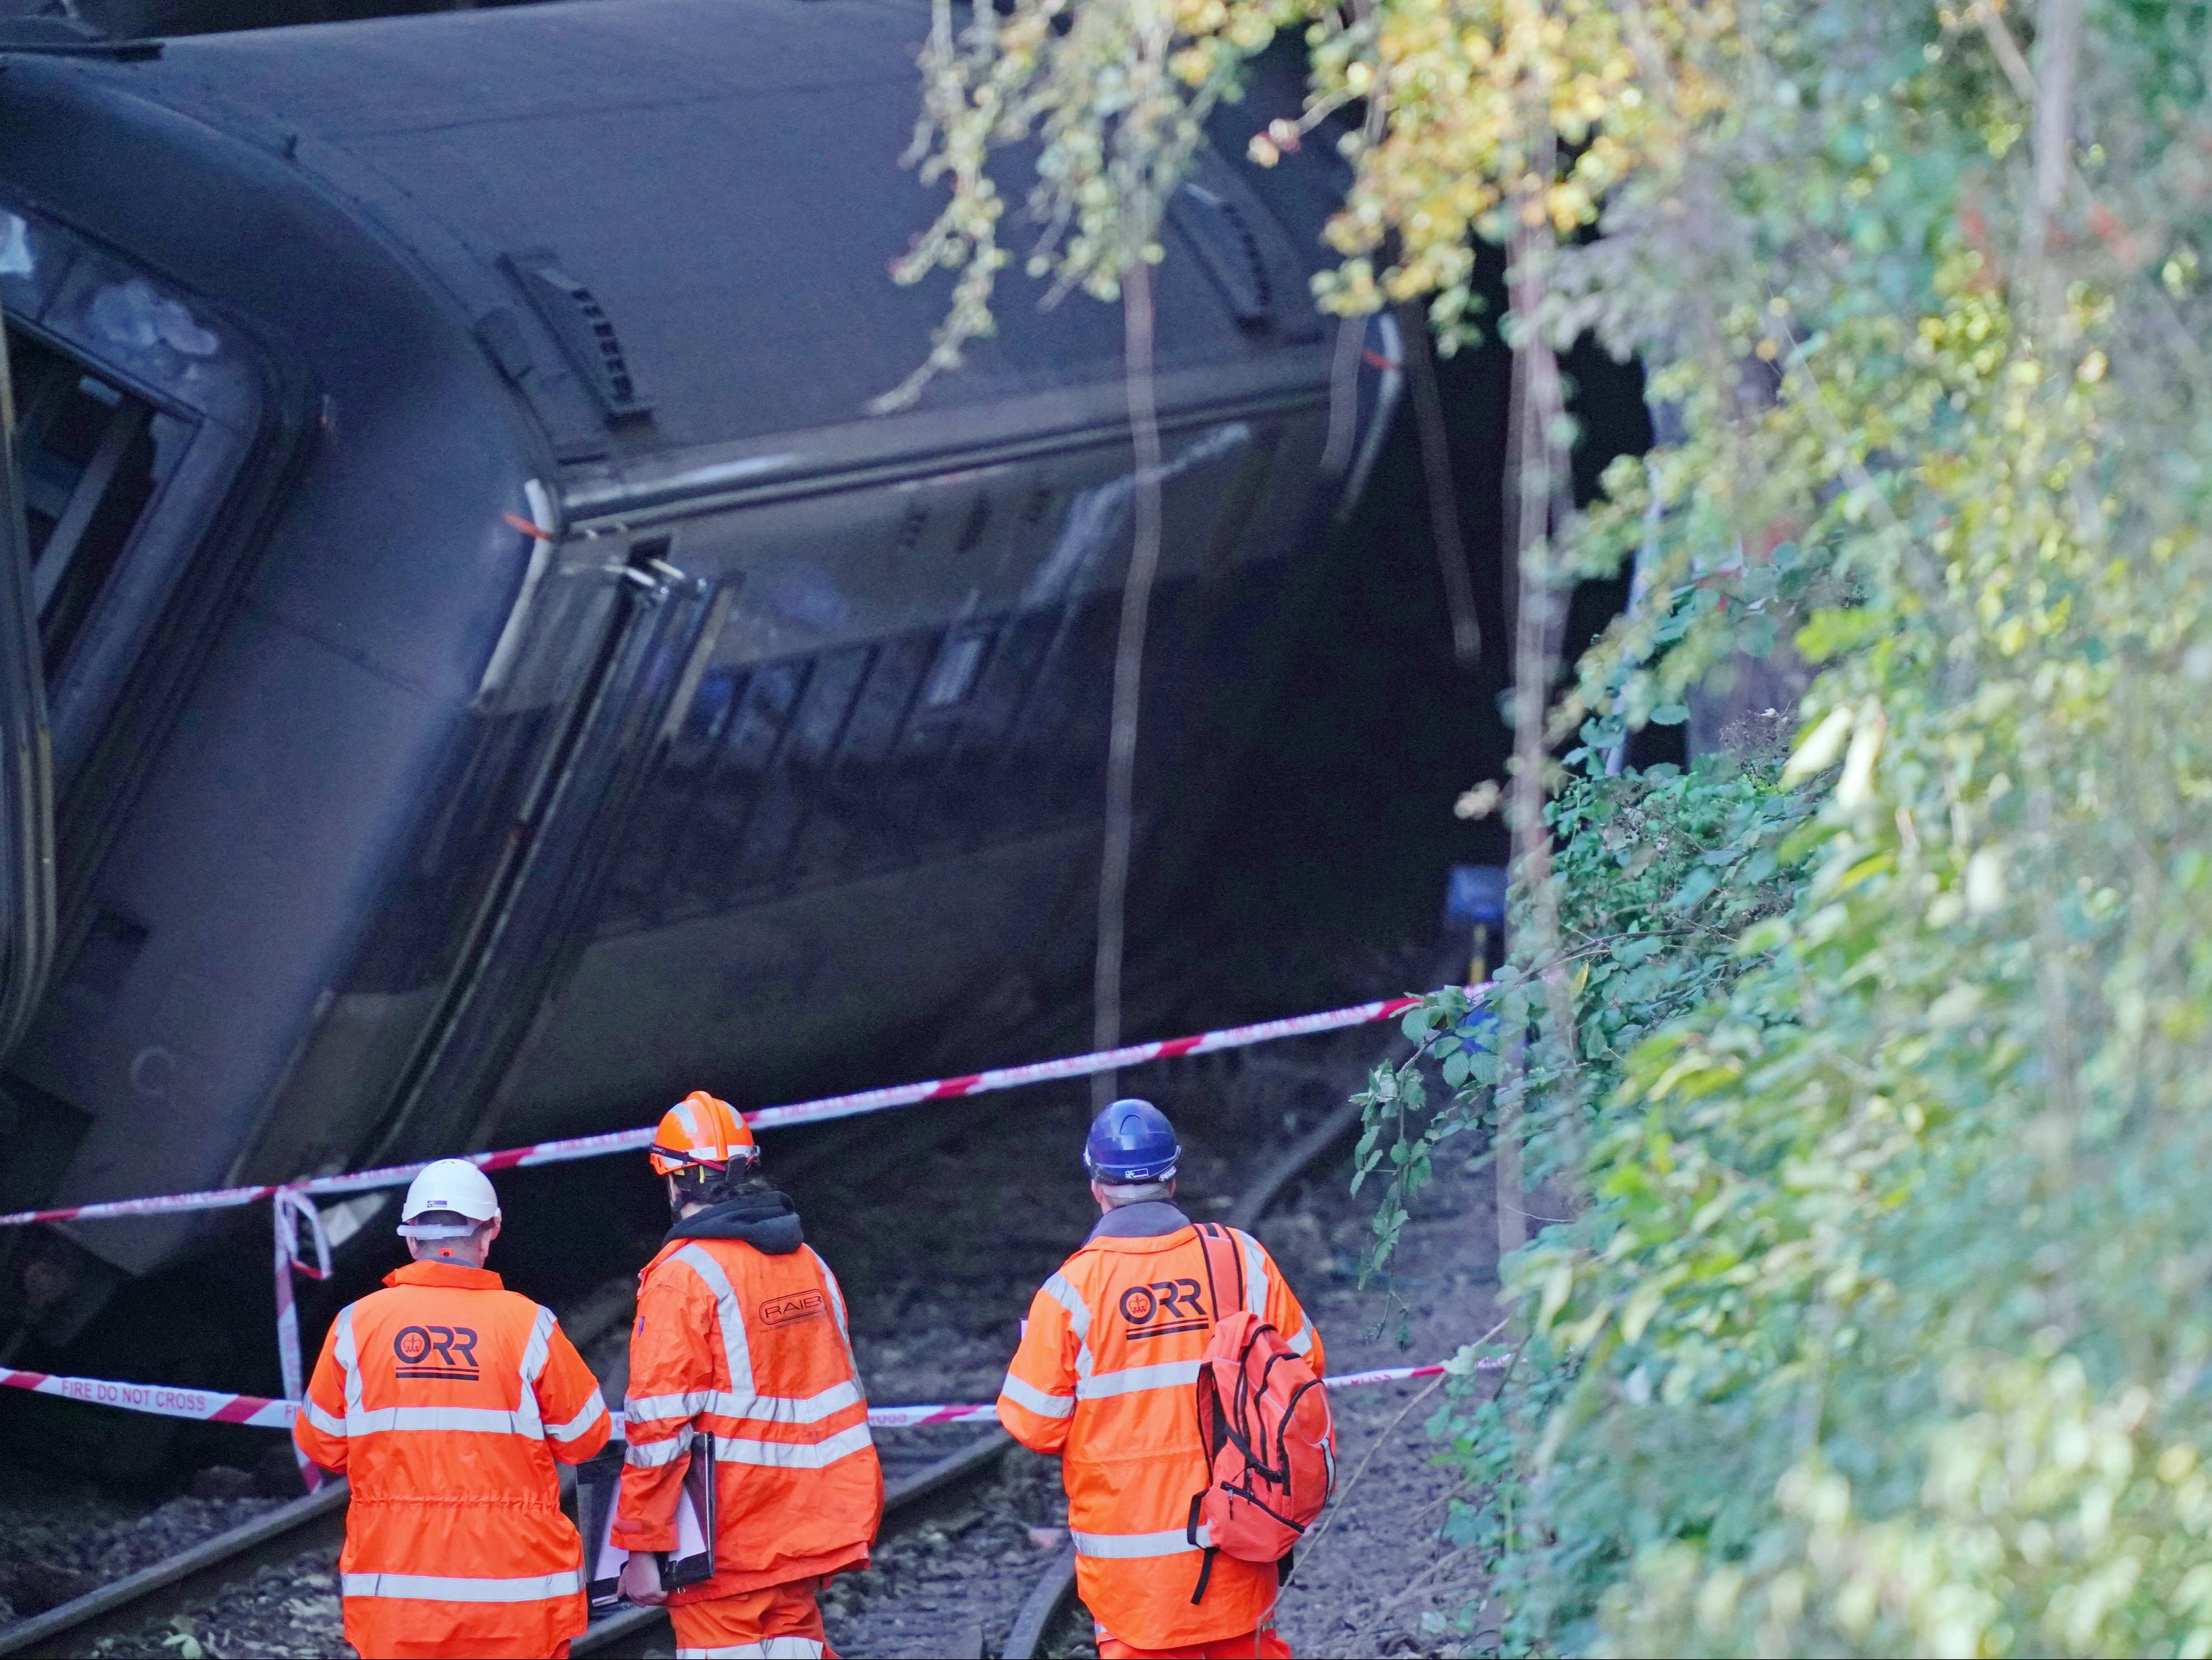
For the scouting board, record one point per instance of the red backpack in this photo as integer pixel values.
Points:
(1264, 1421)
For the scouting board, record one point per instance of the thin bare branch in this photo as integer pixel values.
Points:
(2059, 48)
(1128, 673)
(1443, 500)
(2010, 58)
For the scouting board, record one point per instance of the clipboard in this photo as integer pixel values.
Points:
(598, 1486)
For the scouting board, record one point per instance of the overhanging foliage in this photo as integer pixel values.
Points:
(1880, 1089)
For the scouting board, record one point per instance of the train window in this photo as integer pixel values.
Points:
(954, 675)
(92, 457)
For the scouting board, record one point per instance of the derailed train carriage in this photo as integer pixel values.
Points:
(498, 673)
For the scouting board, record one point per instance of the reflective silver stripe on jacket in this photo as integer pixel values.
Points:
(1078, 1316)
(837, 1292)
(651, 1455)
(535, 1354)
(448, 1588)
(644, 1409)
(1255, 1291)
(742, 1401)
(730, 1317)
(757, 1408)
(1255, 1273)
(479, 1420)
(593, 1410)
(349, 1358)
(837, 1303)
(768, 1648)
(1134, 1380)
(1176, 1542)
(792, 1455)
(1030, 1396)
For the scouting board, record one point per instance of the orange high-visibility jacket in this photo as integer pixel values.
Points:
(447, 1400)
(1107, 1376)
(751, 1347)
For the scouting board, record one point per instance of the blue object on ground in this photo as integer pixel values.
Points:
(1476, 895)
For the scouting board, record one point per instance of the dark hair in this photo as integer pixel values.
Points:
(698, 1184)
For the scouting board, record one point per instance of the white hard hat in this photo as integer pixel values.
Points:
(452, 1185)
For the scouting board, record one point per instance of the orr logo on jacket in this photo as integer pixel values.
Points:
(454, 1346)
(1164, 1306)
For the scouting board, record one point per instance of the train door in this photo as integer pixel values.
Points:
(27, 815)
(149, 436)
(605, 638)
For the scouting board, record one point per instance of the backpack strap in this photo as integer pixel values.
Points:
(1224, 1267)
(1205, 1562)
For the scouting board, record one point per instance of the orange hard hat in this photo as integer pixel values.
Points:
(701, 1130)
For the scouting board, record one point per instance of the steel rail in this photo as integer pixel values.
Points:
(123, 1607)
(640, 1625)
(318, 1520)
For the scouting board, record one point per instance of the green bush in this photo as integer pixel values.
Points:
(1880, 1089)
(1882, 1322)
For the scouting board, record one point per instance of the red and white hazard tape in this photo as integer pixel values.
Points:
(258, 1412)
(898, 1095)
(782, 1117)
(1400, 1374)
(907, 1418)
(207, 1405)
(292, 1206)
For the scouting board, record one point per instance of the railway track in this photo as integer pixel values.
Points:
(635, 1628)
(1050, 1592)
(317, 1523)
(130, 1603)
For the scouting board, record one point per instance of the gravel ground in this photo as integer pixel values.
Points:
(1363, 1586)
(281, 1611)
(61, 1541)
(940, 1229)
(951, 1583)
(953, 1287)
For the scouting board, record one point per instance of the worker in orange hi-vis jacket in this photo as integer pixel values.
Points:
(1106, 1377)
(741, 1333)
(447, 1402)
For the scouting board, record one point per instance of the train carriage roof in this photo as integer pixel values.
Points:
(719, 178)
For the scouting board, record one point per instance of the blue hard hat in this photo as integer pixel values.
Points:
(1130, 1142)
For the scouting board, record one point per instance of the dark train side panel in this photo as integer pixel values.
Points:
(227, 857)
(785, 745)
(880, 803)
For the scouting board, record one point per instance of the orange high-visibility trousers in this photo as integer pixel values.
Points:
(1260, 1644)
(780, 1622)
(479, 1647)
